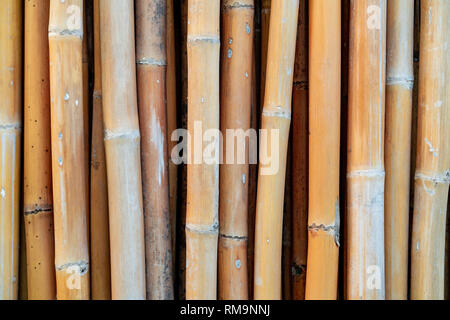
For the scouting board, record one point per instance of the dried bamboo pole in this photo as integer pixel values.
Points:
(324, 138)
(122, 148)
(99, 221)
(399, 85)
(38, 203)
(432, 175)
(171, 93)
(287, 229)
(151, 59)
(10, 137)
(265, 23)
(202, 221)
(276, 117)
(236, 98)
(300, 157)
(365, 165)
(68, 149)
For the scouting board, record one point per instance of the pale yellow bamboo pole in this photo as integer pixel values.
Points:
(399, 85)
(324, 139)
(202, 223)
(122, 147)
(10, 144)
(365, 164)
(432, 175)
(275, 121)
(99, 222)
(38, 202)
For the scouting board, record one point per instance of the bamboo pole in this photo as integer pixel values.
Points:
(236, 94)
(324, 138)
(99, 221)
(432, 175)
(23, 283)
(365, 165)
(151, 59)
(38, 203)
(399, 85)
(287, 229)
(265, 23)
(68, 149)
(300, 157)
(276, 117)
(10, 137)
(202, 221)
(122, 148)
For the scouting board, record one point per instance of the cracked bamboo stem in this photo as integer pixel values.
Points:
(122, 149)
(276, 118)
(432, 176)
(38, 202)
(10, 144)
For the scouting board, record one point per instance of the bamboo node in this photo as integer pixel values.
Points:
(11, 126)
(301, 85)
(277, 114)
(38, 210)
(151, 62)
(65, 33)
(82, 267)
(238, 5)
(211, 39)
(445, 178)
(211, 229)
(332, 229)
(366, 173)
(408, 83)
(298, 270)
(132, 134)
(232, 237)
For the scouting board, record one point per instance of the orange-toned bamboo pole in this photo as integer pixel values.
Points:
(171, 93)
(365, 164)
(99, 222)
(300, 157)
(10, 144)
(265, 23)
(275, 121)
(202, 221)
(37, 193)
(151, 59)
(324, 138)
(68, 149)
(122, 148)
(432, 175)
(236, 95)
(399, 85)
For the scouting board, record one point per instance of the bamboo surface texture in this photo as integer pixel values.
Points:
(38, 199)
(236, 95)
(275, 119)
(432, 176)
(122, 148)
(399, 85)
(10, 144)
(324, 138)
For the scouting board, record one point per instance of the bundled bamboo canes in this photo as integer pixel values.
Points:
(68, 149)
(236, 98)
(122, 147)
(399, 85)
(276, 117)
(432, 175)
(265, 23)
(300, 157)
(202, 221)
(365, 165)
(151, 59)
(99, 222)
(38, 204)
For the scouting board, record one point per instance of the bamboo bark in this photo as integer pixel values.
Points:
(275, 121)
(365, 164)
(300, 157)
(122, 149)
(68, 149)
(38, 202)
(151, 59)
(99, 221)
(399, 85)
(432, 175)
(202, 221)
(236, 94)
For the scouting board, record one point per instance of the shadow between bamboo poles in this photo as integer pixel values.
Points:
(99, 221)
(365, 164)
(236, 95)
(276, 115)
(122, 147)
(38, 200)
(324, 138)
(432, 175)
(399, 85)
